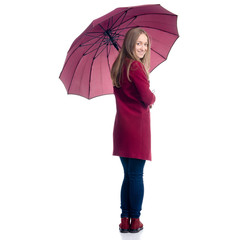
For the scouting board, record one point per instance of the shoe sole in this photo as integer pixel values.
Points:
(135, 230)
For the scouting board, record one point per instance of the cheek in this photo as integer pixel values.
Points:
(136, 49)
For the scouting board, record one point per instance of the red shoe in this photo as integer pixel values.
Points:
(124, 225)
(136, 225)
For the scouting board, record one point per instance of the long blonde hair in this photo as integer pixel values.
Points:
(128, 51)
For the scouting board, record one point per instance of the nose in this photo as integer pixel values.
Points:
(142, 48)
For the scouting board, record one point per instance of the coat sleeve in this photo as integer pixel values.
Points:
(138, 76)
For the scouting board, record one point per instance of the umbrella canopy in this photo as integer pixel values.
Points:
(86, 71)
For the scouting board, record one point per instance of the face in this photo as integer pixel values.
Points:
(141, 46)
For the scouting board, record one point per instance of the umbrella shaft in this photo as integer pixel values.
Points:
(112, 40)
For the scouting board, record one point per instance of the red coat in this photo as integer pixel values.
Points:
(132, 134)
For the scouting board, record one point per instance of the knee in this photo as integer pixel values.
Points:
(135, 175)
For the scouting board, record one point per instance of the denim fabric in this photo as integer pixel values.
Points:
(132, 190)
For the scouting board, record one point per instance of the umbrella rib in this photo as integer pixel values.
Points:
(74, 74)
(91, 68)
(90, 78)
(89, 34)
(101, 50)
(161, 30)
(108, 52)
(80, 58)
(123, 14)
(78, 63)
(117, 30)
(92, 38)
(134, 17)
(97, 37)
(158, 53)
(93, 50)
(81, 44)
(87, 44)
(109, 22)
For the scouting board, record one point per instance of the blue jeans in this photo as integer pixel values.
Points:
(132, 190)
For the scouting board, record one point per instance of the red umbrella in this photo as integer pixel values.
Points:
(86, 71)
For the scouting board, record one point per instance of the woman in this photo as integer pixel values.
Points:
(131, 134)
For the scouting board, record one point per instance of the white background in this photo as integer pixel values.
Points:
(58, 178)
